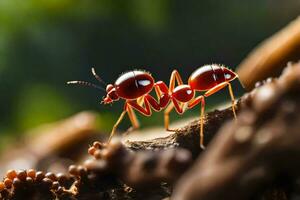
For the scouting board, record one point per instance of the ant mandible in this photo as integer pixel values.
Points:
(134, 87)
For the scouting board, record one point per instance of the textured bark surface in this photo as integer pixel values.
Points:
(188, 136)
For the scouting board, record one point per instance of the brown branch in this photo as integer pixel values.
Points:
(188, 136)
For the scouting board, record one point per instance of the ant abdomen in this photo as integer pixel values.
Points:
(208, 76)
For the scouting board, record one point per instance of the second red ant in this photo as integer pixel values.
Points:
(134, 87)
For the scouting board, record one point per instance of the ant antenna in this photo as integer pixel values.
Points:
(97, 77)
(84, 83)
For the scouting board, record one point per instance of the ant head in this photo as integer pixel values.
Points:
(229, 75)
(111, 94)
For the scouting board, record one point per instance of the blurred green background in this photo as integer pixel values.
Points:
(44, 43)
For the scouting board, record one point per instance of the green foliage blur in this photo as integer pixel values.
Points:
(44, 43)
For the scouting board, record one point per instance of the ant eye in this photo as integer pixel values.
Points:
(227, 76)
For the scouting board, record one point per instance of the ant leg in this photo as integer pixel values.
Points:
(143, 110)
(117, 124)
(160, 87)
(132, 116)
(193, 103)
(167, 116)
(140, 100)
(215, 89)
(127, 109)
(175, 76)
(180, 109)
(202, 123)
(133, 119)
(162, 93)
(219, 87)
(232, 100)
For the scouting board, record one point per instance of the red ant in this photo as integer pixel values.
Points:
(134, 87)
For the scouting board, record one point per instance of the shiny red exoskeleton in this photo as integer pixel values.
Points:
(208, 79)
(135, 87)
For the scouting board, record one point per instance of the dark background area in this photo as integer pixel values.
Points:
(45, 43)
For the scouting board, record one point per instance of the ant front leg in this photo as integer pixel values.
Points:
(144, 104)
(219, 87)
(132, 117)
(117, 124)
(145, 109)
